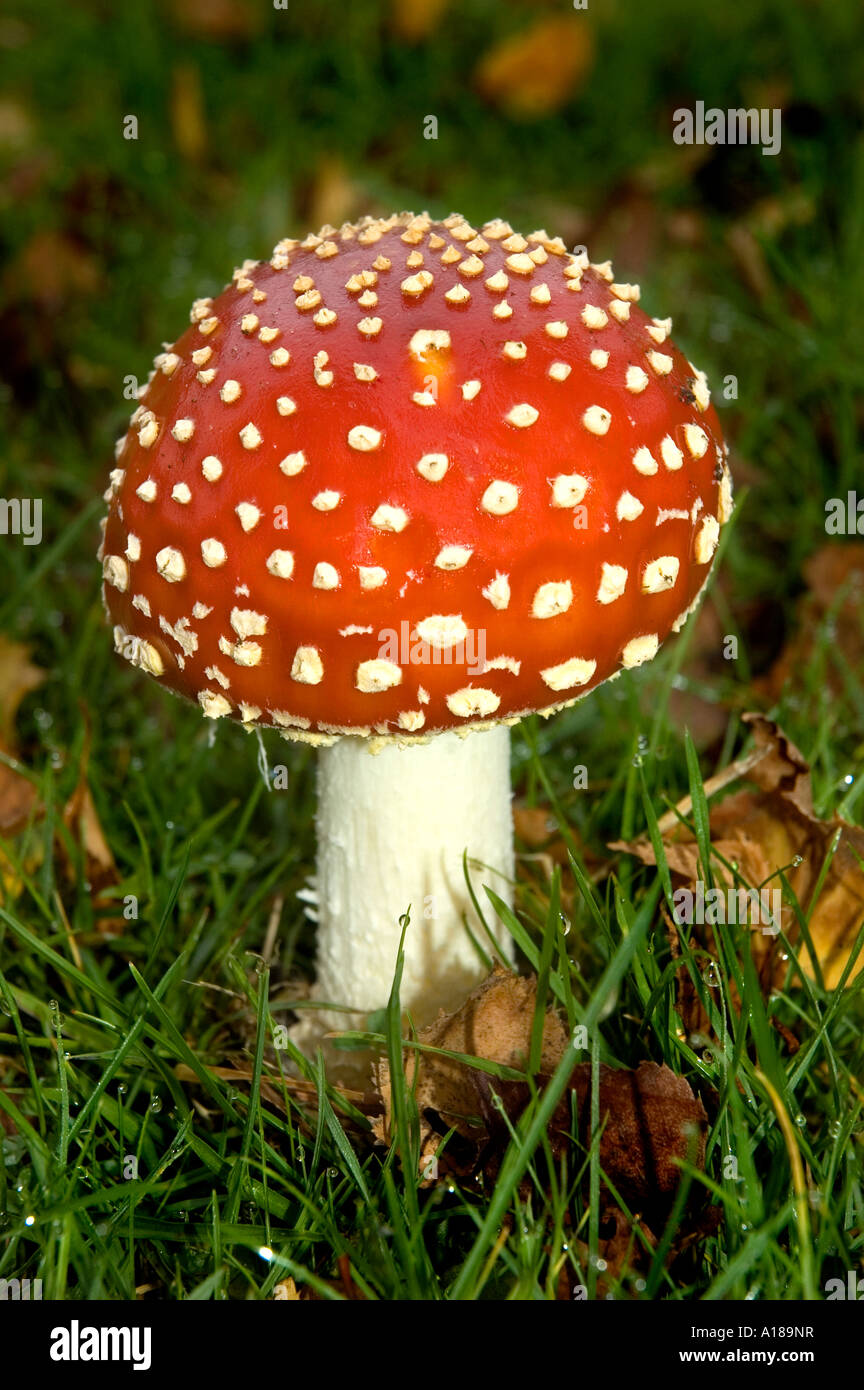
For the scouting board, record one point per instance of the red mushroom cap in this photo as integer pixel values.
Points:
(411, 476)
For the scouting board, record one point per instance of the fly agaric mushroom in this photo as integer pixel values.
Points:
(392, 491)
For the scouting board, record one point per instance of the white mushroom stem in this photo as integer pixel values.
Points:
(392, 830)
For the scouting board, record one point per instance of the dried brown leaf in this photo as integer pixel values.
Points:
(494, 1023)
(651, 1121)
(650, 1118)
(82, 820)
(830, 570)
(772, 828)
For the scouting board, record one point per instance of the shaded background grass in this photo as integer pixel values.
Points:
(254, 123)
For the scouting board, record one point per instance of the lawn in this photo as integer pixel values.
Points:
(161, 1137)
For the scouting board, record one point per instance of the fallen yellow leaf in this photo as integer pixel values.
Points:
(536, 71)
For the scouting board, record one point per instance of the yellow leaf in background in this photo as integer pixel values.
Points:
(50, 269)
(333, 197)
(219, 20)
(16, 125)
(18, 676)
(416, 19)
(536, 71)
(187, 111)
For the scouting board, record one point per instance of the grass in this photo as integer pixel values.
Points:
(141, 1155)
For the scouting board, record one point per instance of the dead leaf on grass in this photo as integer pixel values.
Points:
(650, 1119)
(765, 830)
(82, 820)
(830, 571)
(493, 1023)
(286, 1292)
(18, 676)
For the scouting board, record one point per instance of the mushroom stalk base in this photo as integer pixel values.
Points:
(392, 830)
